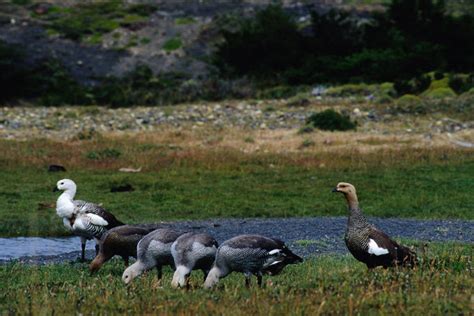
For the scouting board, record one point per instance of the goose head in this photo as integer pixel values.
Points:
(131, 273)
(345, 188)
(66, 185)
(349, 192)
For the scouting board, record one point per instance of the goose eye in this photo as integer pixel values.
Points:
(62, 183)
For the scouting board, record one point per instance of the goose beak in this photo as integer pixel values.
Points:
(334, 190)
(55, 189)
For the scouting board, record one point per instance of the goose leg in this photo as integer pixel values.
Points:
(206, 272)
(188, 284)
(125, 259)
(83, 249)
(259, 279)
(247, 279)
(96, 249)
(160, 272)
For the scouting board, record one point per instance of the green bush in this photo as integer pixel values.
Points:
(331, 120)
(108, 153)
(408, 99)
(414, 86)
(184, 20)
(278, 92)
(172, 44)
(300, 99)
(383, 98)
(410, 104)
(461, 83)
(470, 92)
(350, 89)
(261, 46)
(15, 77)
(440, 83)
(77, 22)
(439, 93)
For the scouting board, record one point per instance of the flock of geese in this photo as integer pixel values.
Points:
(186, 251)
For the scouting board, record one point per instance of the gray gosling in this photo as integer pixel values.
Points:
(192, 251)
(251, 255)
(154, 250)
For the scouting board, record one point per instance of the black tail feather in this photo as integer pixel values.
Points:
(406, 256)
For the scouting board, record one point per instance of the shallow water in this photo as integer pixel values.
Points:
(16, 247)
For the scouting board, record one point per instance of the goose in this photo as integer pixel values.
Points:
(367, 243)
(251, 255)
(192, 251)
(153, 250)
(121, 241)
(84, 219)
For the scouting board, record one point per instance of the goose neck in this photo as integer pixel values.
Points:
(352, 201)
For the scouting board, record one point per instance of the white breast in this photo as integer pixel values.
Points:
(64, 206)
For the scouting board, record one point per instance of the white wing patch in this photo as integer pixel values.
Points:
(274, 252)
(375, 249)
(97, 220)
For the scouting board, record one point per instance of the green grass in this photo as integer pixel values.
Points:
(185, 20)
(323, 285)
(172, 44)
(81, 21)
(249, 190)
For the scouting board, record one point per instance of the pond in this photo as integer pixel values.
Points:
(14, 248)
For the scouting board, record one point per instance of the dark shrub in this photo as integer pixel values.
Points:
(438, 75)
(262, 46)
(108, 153)
(414, 86)
(331, 120)
(461, 84)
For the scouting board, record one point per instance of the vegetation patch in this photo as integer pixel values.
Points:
(337, 48)
(324, 285)
(331, 120)
(439, 93)
(78, 22)
(172, 44)
(108, 153)
(185, 20)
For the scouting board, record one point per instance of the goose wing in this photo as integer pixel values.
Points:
(380, 243)
(90, 226)
(82, 207)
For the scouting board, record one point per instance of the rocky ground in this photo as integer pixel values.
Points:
(307, 236)
(84, 122)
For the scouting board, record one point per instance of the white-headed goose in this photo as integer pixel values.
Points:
(367, 243)
(84, 219)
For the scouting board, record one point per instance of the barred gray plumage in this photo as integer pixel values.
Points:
(153, 250)
(192, 251)
(251, 255)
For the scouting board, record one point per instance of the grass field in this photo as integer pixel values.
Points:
(189, 177)
(443, 285)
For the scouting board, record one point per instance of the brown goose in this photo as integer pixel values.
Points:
(367, 243)
(121, 241)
